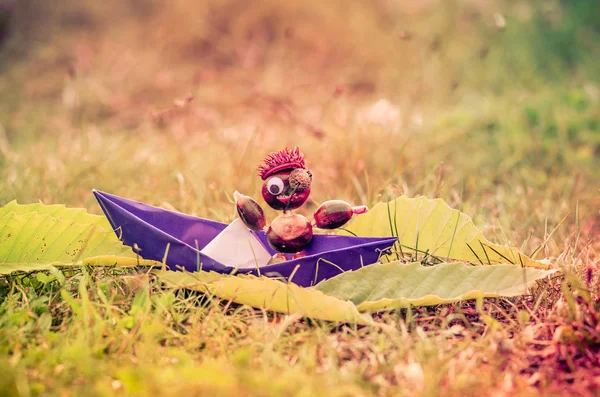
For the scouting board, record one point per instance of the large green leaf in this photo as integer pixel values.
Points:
(262, 292)
(432, 227)
(33, 237)
(398, 285)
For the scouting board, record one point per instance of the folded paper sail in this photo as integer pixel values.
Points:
(238, 246)
(192, 243)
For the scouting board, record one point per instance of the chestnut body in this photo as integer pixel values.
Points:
(290, 233)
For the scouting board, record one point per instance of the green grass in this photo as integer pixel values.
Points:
(502, 122)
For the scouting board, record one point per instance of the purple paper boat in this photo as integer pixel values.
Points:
(151, 230)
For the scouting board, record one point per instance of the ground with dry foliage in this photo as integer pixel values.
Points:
(491, 105)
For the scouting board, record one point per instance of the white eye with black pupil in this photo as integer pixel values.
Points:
(275, 186)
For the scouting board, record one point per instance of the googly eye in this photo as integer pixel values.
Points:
(275, 186)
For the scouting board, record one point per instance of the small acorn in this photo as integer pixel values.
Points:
(300, 179)
(335, 213)
(290, 233)
(250, 212)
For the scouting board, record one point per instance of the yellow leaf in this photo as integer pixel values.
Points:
(431, 226)
(269, 294)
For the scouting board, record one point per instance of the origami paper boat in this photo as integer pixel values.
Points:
(180, 240)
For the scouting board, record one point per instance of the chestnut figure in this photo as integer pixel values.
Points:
(286, 187)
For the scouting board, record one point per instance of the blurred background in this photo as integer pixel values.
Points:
(492, 105)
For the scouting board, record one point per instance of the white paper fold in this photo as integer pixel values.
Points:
(236, 246)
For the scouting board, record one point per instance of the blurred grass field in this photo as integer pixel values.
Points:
(492, 105)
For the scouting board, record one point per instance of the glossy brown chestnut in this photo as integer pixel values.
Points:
(290, 233)
(333, 214)
(285, 197)
(250, 212)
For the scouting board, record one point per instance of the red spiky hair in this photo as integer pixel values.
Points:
(285, 159)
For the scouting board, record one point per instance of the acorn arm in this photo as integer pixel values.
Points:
(250, 212)
(335, 213)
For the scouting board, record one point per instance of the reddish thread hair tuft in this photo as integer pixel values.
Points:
(285, 159)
